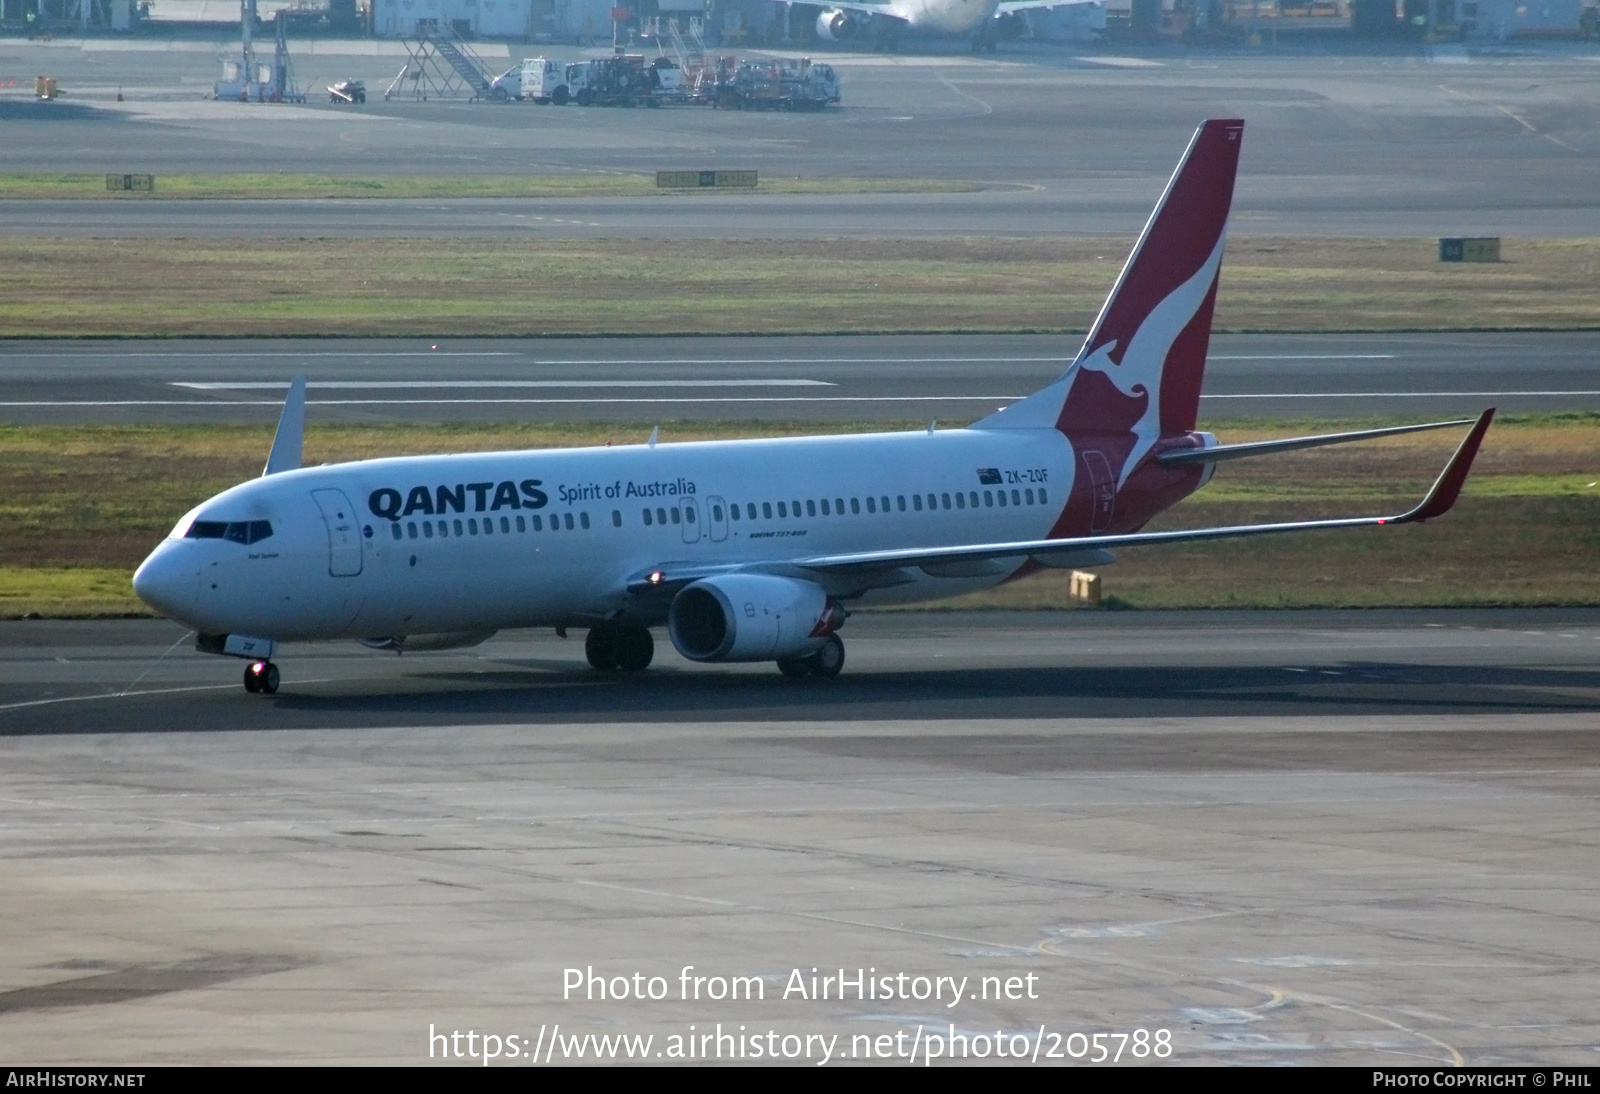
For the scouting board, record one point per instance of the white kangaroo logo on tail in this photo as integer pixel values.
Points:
(1139, 374)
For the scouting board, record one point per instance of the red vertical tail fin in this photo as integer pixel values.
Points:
(1156, 323)
(1137, 377)
(1141, 367)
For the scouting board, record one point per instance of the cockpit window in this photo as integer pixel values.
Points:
(238, 531)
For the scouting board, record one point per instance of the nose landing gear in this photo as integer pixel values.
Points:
(261, 678)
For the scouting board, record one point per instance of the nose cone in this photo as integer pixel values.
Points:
(168, 581)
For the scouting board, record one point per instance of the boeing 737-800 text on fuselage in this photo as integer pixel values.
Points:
(746, 550)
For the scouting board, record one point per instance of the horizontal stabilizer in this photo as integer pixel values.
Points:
(1222, 452)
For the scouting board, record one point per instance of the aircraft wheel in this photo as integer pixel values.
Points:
(635, 649)
(795, 666)
(602, 648)
(829, 660)
(261, 678)
(560, 96)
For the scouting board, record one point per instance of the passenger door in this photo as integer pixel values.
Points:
(344, 533)
(1102, 490)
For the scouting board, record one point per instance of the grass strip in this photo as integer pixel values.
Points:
(286, 186)
(82, 506)
(532, 287)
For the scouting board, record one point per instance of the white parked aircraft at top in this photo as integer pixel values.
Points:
(746, 550)
(885, 22)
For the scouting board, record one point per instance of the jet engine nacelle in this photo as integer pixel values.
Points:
(838, 26)
(751, 617)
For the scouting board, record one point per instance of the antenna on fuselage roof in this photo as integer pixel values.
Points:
(655, 432)
(291, 436)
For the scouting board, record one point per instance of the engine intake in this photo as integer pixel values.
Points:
(751, 617)
(838, 26)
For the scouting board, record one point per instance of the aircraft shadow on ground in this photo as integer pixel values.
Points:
(522, 692)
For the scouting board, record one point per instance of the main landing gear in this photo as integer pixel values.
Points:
(827, 661)
(261, 678)
(629, 649)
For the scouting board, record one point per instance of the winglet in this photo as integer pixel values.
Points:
(287, 445)
(1448, 485)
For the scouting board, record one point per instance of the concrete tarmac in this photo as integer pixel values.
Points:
(1267, 838)
(1338, 141)
(954, 378)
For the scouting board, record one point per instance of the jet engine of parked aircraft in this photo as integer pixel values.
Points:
(839, 26)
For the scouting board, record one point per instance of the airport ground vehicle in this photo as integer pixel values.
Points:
(778, 85)
(626, 80)
(347, 92)
(537, 79)
(749, 550)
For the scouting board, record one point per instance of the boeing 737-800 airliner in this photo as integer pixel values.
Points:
(746, 550)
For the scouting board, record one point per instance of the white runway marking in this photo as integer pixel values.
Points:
(344, 354)
(383, 385)
(540, 402)
(999, 399)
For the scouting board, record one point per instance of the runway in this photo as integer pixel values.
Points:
(1344, 838)
(955, 378)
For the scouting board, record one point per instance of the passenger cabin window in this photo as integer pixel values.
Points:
(916, 502)
(811, 508)
(583, 518)
(616, 518)
(783, 510)
(855, 505)
(766, 510)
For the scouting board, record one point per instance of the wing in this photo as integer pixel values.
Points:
(1008, 7)
(865, 8)
(1220, 452)
(878, 569)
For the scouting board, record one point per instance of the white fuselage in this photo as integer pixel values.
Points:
(945, 16)
(485, 541)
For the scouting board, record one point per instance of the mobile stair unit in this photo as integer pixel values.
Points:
(440, 65)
